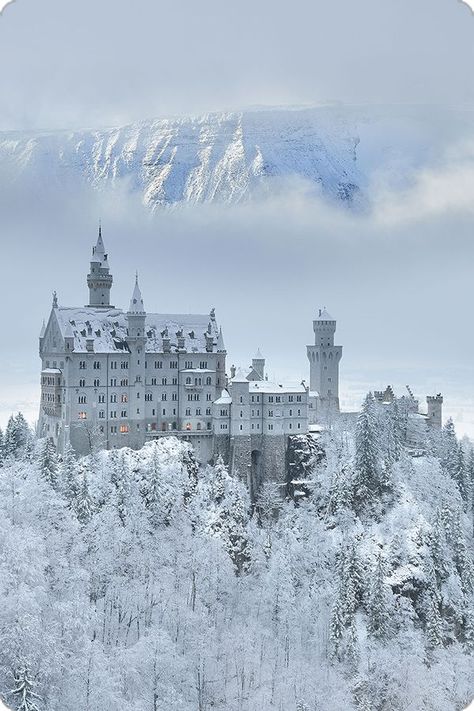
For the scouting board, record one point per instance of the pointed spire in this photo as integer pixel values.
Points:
(99, 250)
(43, 330)
(220, 342)
(258, 355)
(55, 300)
(136, 302)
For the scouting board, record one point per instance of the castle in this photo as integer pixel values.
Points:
(112, 379)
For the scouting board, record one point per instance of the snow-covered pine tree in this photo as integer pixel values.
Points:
(25, 697)
(367, 464)
(48, 462)
(83, 504)
(379, 612)
(69, 482)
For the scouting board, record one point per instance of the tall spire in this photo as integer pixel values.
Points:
(99, 280)
(220, 342)
(136, 302)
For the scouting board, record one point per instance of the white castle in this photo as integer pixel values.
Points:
(112, 379)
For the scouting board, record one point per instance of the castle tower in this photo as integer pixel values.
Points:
(435, 410)
(258, 364)
(136, 340)
(99, 280)
(324, 358)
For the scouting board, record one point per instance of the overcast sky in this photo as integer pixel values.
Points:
(399, 278)
(111, 61)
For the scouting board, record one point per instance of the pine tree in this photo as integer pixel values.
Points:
(69, 475)
(48, 463)
(25, 697)
(438, 549)
(2, 447)
(378, 603)
(17, 436)
(434, 635)
(468, 629)
(367, 463)
(83, 504)
(120, 477)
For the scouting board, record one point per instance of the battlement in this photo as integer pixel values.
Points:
(435, 399)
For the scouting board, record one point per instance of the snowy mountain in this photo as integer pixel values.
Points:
(218, 157)
(229, 157)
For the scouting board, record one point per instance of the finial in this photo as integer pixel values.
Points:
(136, 276)
(100, 227)
(55, 300)
(213, 314)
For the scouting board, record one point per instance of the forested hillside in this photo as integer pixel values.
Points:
(138, 581)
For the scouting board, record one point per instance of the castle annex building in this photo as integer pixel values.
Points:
(115, 378)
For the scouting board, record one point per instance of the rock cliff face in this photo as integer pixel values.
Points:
(222, 157)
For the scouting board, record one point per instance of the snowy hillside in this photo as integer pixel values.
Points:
(138, 580)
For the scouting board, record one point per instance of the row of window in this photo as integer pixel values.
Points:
(124, 364)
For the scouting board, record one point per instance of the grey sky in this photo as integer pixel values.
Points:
(399, 279)
(89, 62)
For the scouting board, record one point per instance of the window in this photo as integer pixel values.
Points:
(153, 412)
(299, 425)
(163, 381)
(83, 416)
(153, 381)
(163, 412)
(174, 381)
(188, 365)
(113, 382)
(224, 413)
(278, 398)
(97, 365)
(299, 413)
(223, 427)
(270, 413)
(290, 398)
(270, 398)
(82, 400)
(298, 398)
(113, 397)
(96, 383)
(270, 427)
(113, 414)
(124, 382)
(188, 381)
(198, 411)
(101, 399)
(208, 411)
(82, 383)
(174, 397)
(138, 396)
(241, 413)
(188, 412)
(113, 429)
(208, 381)
(124, 429)
(158, 364)
(148, 397)
(123, 413)
(163, 397)
(124, 364)
(208, 425)
(209, 397)
(174, 364)
(124, 398)
(113, 365)
(101, 414)
(203, 365)
(82, 365)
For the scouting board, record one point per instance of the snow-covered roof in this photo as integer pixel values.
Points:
(224, 399)
(136, 302)
(240, 377)
(324, 315)
(51, 370)
(266, 386)
(108, 328)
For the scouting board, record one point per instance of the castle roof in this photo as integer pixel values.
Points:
(224, 399)
(258, 355)
(324, 315)
(265, 386)
(136, 302)
(240, 377)
(108, 328)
